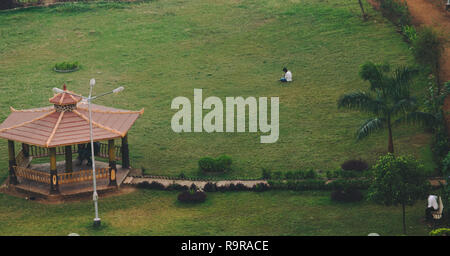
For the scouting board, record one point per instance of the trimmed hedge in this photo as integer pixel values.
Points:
(219, 164)
(66, 66)
(153, 185)
(296, 185)
(302, 185)
(290, 175)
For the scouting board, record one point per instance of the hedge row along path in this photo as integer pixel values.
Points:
(425, 13)
(166, 182)
(133, 180)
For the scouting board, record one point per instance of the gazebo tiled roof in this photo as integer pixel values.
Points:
(61, 125)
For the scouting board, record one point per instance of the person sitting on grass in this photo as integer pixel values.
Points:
(432, 206)
(287, 76)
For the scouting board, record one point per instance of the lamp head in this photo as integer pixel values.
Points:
(118, 89)
(92, 82)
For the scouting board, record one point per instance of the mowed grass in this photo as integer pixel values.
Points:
(163, 49)
(146, 212)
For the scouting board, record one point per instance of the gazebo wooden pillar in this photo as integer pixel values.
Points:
(125, 152)
(12, 163)
(68, 153)
(26, 150)
(54, 188)
(112, 163)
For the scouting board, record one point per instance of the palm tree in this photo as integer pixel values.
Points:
(388, 99)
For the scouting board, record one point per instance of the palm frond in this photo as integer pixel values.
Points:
(417, 118)
(400, 82)
(361, 101)
(404, 105)
(370, 126)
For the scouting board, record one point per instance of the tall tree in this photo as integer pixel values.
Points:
(389, 100)
(428, 49)
(398, 181)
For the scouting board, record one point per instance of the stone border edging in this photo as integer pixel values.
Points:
(66, 71)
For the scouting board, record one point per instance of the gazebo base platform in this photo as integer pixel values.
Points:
(81, 187)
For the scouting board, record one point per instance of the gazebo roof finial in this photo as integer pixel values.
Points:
(63, 98)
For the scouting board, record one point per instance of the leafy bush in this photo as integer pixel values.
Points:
(210, 187)
(192, 197)
(440, 232)
(223, 163)
(207, 164)
(428, 48)
(66, 66)
(310, 174)
(260, 187)
(355, 165)
(347, 195)
(153, 185)
(410, 33)
(177, 187)
(220, 164)
(241, 187)
(396, 11)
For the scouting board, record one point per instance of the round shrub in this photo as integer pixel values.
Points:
(192, 197)
(220, 164)
(355, 165)
(347, 195)
(207, 164)
(223, 163)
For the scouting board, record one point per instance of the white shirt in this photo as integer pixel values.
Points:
(432, 202)
(288, 76)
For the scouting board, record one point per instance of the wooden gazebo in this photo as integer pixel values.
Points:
(60, 130)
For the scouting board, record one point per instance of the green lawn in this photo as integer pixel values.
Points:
(163, 49)
(146, 212)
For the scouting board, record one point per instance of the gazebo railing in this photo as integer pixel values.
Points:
(84, 175)
(104, 151)
(63, 178)
(33, 175)
(37, 152)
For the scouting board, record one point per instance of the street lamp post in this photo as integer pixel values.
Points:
(97, 221)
